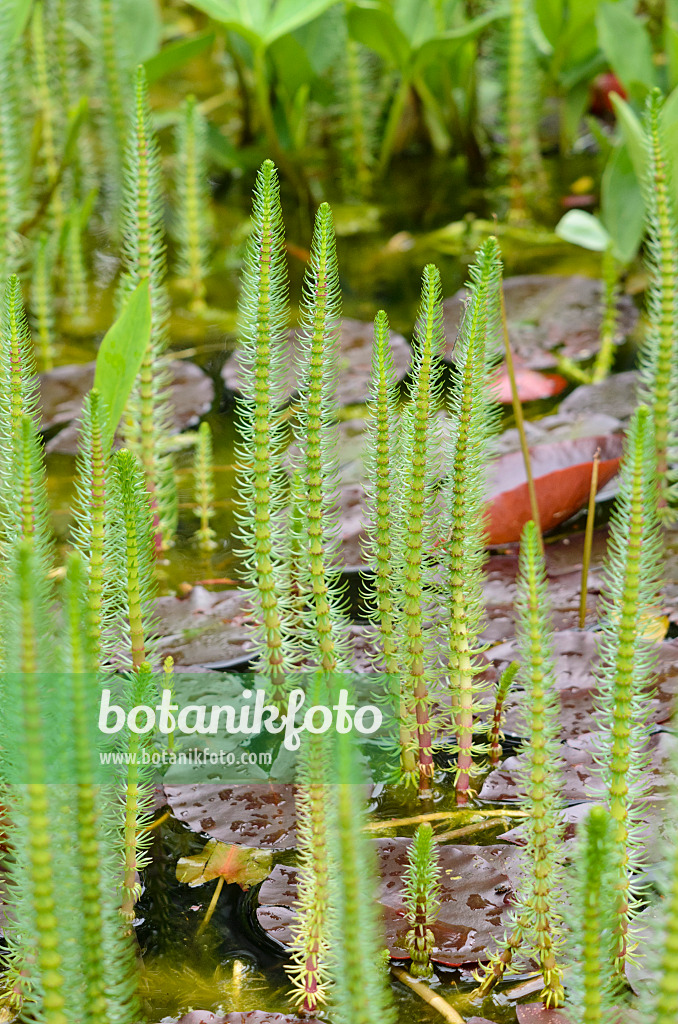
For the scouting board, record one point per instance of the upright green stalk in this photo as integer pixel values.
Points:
(18, 378)
(263, 319)
(144, 257)
(524, 158)
(35, 931)
(93, 514)
(360, 993)
(320, 314)
(495, 735)
(310, 950)
(630, 590)
(419, 461)
(659, 355)
(536, 919)
(591, 983)
(357, 141)
(116, 92)
(10, 173)
(203, 474)
(422, 889)
(42, 302)
(610, 322)
(663, 995)
(193, 202)
(381, 493)
(474, 409)
(49, 125)
(134, 556)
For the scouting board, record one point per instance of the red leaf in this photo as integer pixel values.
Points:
(531, 385)
(562, 478)
(536, 1013)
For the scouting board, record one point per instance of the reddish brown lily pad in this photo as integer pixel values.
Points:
(562, 479)
(246, 1017)
(260, 815)
(548, 316)
(476, 892)
(62, 391)
(536, 1013)
(355, 363)
(581, 779)
(208, 629)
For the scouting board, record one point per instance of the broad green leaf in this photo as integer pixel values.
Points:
(140, 28)
(633, 133)
(669, 117)
(17, 13)
(174, 56)
(291, 63)
(121, 352)
(261, 22)
(671, 40)
(583, 229)
(622, 209)
(377, 29)
(245, 865)
(447, 42)
(289, 15)
(626, 44)
(550, 14)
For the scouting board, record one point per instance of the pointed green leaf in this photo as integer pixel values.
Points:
(633, 133)
(121, 352)
(582, 228)
(175, 55)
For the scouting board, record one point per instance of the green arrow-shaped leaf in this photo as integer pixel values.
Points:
(121, 352)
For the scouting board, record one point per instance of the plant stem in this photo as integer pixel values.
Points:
(520, 421)
(212, 907)
(428, 995)
(588, 539)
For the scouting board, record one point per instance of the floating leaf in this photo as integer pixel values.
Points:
(562, 478)
(549, 316)
(244, 865)
(260, 815)
(531, 385)
(476, 891)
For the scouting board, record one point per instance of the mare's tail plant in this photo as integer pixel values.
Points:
(522, 111)
(92, 510)
(537, 926)
(475, 413)
(148, 416)
(133, 558)
(495, 735)
(590, 919)
(310, 948)
(419, 460)
(659, 355)
(422, 888)
(320, 317)
(42, 301)
(356, 121)
(193, 227)
(631, 585)
(360, 992)
(263, 328)
(203, 476)
(105, 951)
(381, 493)
(115, 89)
(10, 172)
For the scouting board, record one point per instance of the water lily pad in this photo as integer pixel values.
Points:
(476, 891)
(243, 865)
(562, 479)
(576, 658)
(355, 362)
(615, 396)
(63, 389)
(243, 1017)
(536, 1013)
(548, 316)
(260, 815)
(531, 386)
(581, 780)
(209, 629)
